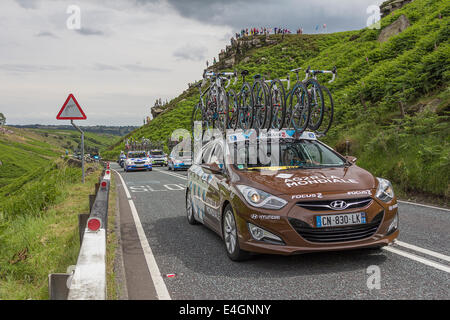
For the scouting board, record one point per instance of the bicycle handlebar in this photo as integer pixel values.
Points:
(315, 72)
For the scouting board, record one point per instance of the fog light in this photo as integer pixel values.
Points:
(261, 234)
(394, 224)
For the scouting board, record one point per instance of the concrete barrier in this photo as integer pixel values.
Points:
(88, 279)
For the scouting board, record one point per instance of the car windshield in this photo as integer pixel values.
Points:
(137, 155)
(156, 153)
(292, 154)
(185, 154)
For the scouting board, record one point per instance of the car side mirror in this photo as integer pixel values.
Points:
(351, 159)
(213, 167)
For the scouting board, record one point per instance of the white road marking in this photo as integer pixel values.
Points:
(418, 259)
(127, 193)
(423, 250)
(158, 281)
(423, 205)
(172, 174)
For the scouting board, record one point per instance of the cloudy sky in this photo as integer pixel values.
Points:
(130, 52)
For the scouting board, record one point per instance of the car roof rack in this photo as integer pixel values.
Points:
(253, 134)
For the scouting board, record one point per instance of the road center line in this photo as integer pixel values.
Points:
(418, 259)
(158, 281)
(423, 250)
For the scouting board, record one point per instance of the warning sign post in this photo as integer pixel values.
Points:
(71, 110)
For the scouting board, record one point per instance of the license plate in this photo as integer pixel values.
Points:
(346, 219)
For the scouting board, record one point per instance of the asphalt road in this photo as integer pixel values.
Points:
(196, 256)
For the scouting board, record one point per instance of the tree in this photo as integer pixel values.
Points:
(2, 119)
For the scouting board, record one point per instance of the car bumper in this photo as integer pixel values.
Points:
(159, 163)
(182, 166)
(133, 167)
(297, 242)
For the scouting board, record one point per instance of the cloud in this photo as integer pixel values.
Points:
(338, 15)
(105, 67)
(139, 68)
(190, 52)
(89, 32)
(28, 4)
(46, 34)
(25, 68)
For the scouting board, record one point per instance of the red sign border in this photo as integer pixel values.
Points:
(58, 117)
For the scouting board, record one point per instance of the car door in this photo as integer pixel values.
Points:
(198, 182)
(214, 180)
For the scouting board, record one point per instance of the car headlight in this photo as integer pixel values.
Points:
(261, 199)
(385, 192)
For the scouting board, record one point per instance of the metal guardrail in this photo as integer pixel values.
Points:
(87, 280)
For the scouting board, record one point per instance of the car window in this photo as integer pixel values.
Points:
(207, 152)
(217, 155)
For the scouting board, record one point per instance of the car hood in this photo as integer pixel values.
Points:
(298, 181)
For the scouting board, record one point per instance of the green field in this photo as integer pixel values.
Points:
(28, 151)
(40, 197)
(374, 80)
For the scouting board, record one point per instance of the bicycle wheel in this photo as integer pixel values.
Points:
(245, 107)
(210, 110)
(328, 112)
(260, 103)
(221, 119)
(197, 116)
(278, 105)
(287, 118)
(232, 111)
(316, 103)
(299, 108)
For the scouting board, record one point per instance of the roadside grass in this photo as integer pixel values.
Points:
(37, 243)
(111, 245)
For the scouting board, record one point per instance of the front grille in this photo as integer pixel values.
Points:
(139, 162)
(324, 205)
(337, 234)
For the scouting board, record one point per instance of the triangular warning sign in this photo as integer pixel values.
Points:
(71, 110)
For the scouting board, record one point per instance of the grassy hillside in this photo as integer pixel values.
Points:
(39, 228)
(27, 151)
(40, 197)
(375, 82)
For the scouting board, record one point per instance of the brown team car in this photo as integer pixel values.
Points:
(313, 199)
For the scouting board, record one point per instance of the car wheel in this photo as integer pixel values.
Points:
(190, 209)
(230, 236)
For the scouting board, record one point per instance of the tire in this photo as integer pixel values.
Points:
(230, 237)
(299, 108)
(328, 112)
(278, 105)
(245, 110)
(232, 110)
(316, 102)
(197, 115)
(190, 210)
(260, 94)
(221, 122)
